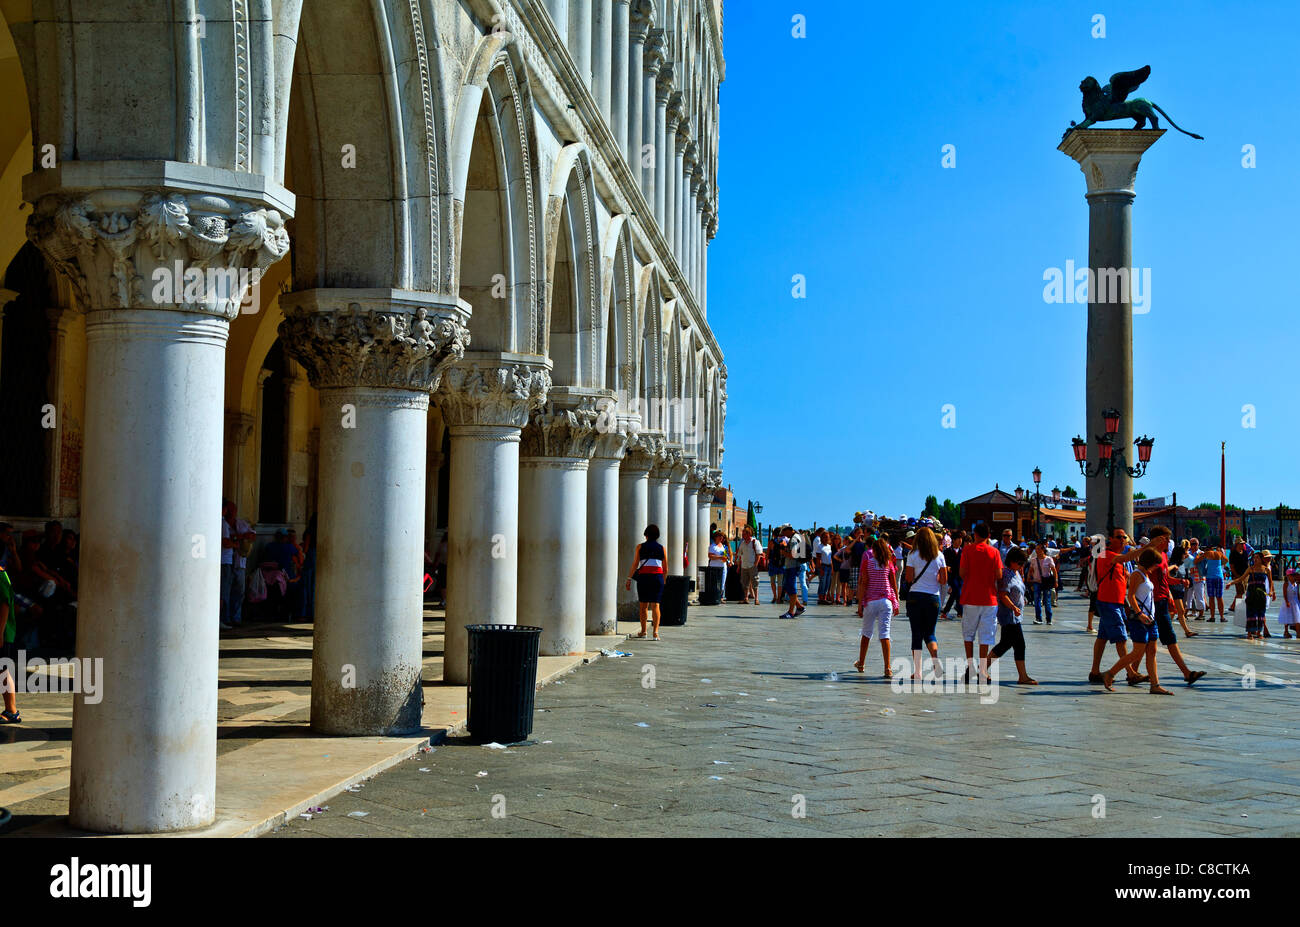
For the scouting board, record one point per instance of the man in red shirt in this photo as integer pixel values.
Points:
(981, 568)
(1159, 543)
(1112, 587)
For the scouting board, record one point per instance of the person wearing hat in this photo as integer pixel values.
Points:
(1258, 582)
(1289, 614)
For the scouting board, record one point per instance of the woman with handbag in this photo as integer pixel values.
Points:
(925, 575)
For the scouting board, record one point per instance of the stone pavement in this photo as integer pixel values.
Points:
(752, 720)
(269, 763)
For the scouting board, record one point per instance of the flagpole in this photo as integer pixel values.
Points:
(1223, 493)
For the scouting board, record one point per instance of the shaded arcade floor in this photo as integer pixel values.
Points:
(269, 763)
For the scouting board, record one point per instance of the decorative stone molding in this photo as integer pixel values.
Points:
(613, 431)
(158, 248)
(494, 389)
(714, 482)
(641, 453)
(390, 339)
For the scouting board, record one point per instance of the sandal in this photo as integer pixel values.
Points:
(11, 717)
(1137, 680)
(642, 634)
(1194, 675)
(1160, 690)
(889, 674)
(858, 667)
(656, 637)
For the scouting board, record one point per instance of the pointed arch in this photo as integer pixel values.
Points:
(366, 155)
(573, 317)
(496, 260)
(651, 363)
(618, 295)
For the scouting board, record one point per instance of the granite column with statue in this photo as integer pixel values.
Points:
(1109, 159)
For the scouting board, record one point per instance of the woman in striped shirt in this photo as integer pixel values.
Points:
(877, 598)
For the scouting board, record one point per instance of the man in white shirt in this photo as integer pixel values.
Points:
(747, 560)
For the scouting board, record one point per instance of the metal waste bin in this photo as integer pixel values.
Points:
(502, 682)
(712, 594)
(672, 607)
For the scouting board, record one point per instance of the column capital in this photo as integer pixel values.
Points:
(488, 388)
(262, 376)
(240, 426)
(568, 425)
(641, 21)
(670, 461)
(1109, 158)
(642, 452)
(699, 477)
(395, 339)
(157, 234)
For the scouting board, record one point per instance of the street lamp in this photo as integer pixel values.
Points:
(758, 510)
(1038, 501)
(1112, 461)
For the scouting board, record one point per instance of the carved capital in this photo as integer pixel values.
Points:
(240, 426)
(377, 338)
(643, 14)
(654, 57)
(1109, 158)
(670, 464)
(158, 248)
(697, 480)
(493, 389)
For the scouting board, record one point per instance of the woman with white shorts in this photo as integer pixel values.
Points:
(877, 599)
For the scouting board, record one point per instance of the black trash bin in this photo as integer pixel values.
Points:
(502, 682)
(672, 608)
(712, 594)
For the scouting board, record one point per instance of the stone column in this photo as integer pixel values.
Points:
(255, 513)
(602, 51)
(580, 39)
(602, 520)
(554, 459)
(703, 514)
(129, 237)
(657, 498)
(662, 153)
(239, 434)
(434, 470)
(641, 106)
(619, 92)
(1109, 160)
(633, 515)
(676, 510)
(486, 401)
(691, 532)
(681, 181)
(57, 319)
(292, 383)
(374, 355)
(673, 185)
(559, 10)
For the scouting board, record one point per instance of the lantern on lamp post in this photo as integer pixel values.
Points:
(1112, 461)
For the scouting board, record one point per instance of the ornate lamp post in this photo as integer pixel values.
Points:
(1112, 461)
(758, 510)
(1038, 502)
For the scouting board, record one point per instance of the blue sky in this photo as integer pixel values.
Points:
(925, 285)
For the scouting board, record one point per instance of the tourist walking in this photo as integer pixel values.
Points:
(1011, 602)
(747, 555)
(1112, 576)
(1042, 578)
(1162, 599)
(1212, 563)
(1191, 568)
(925, 573)
(877, 600)
(775, 566)
(952, 557)
(791, 551)
(1289, 615)
(648, 572)
(719, 557)
(1140, 622)
(981, 569)
(1239, 561)
(1259, 588)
